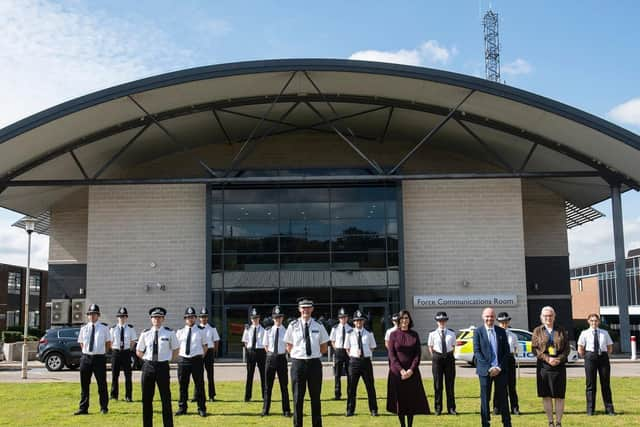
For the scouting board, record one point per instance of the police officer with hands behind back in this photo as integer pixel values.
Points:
(360, 345)
(95, 341)
(338, 339)
(306, 341)
(156, 347)
(442, 342)
(276, 363)
(123, 337)
(193, 345)
(256, 355)
(514, 346)
(213, 339)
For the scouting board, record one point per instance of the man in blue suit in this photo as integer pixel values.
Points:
(490, 348)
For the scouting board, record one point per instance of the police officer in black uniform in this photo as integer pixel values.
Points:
(256, 354)
(276, 363)
(193, 345)
(442, 342)
(338, 337)
(156, 347)
(95, 341)
(123, 337)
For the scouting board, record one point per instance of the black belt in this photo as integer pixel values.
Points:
(602, 353)
(250, 350)
(443, 354)
(271, 353)
(117, 349)
(191, 357)
(157, 362)
(360, 358)
(92, 355)
(313, 359)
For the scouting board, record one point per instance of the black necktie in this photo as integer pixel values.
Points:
(187, 351)
(361, 354)
(307, 339)
(343, 334)
(154, 357)
(275, 343)
(93, 336)
(121, 337)
(596, 342)
(443, 339)
(254, 339)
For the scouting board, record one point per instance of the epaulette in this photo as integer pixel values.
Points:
(105, 324)
(130, 325)
(115, 325)
(349, 331)
(294, 322)
(246, 326)
(200, 327)
(147, 330)
(167, 328)
(452, 330)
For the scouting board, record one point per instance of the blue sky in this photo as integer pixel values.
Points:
(583, 53)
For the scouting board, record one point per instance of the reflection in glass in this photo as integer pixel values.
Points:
(358, 260)
(304, 243)
(302, 211)
(257, 229)
(250, 262)
(357, 226)
(251, 244)
(358, 243)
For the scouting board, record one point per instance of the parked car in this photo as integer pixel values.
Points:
(59, 347)
(464, 347)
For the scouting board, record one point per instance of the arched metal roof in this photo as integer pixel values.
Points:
(217, 124)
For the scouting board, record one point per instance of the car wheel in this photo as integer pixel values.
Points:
(54, 362)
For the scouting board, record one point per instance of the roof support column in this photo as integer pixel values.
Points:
(622, 290)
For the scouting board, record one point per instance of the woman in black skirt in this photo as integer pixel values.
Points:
(550, 343)
(405, 393)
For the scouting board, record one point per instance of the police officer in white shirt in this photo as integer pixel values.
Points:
(387, 334)
(193, 345)
(360, 344)
(256, 355)
(442, 342)
(595, 345)
(503, 320)
(123, 337)
(213, 340)
(276, 363)
(156, 347)
(306, 341)
(95, 341)
(338, 339)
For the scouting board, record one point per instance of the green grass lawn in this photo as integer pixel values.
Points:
(51, 404)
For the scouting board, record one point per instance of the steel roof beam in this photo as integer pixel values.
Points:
(486, 146)
(120, 152)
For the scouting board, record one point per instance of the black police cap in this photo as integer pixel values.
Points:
(503, 317)
(93, 308)
(157, 312)
(441, 315)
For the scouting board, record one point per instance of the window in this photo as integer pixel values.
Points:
(69, 333)
(13, 318)
(34, 319)
(34, 284)
(580, 287)
(14, 282)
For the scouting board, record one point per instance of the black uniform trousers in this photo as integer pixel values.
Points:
(510, 360)
(208, 365)
(340, 368)
(95, 365)
(361, 367)
(276, 364)
(121, 360)
(443, 367)
(255, 357)
(595, 365)
(500, 391)
(191, 367)
(306, 373)
(156, 373)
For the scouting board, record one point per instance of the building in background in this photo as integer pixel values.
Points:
(12, 294)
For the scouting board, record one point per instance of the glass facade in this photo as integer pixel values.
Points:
(337, 245)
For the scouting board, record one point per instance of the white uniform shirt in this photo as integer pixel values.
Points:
(368, 343)
(247, 337)
(389, 332)
(270, 339)
(198, 339)
(295, 336)
(167, 342)
(514, 344)
(100, 338)
(211, 334)
(435, 340)
(336, 335)
(129, 335)
(586, 340)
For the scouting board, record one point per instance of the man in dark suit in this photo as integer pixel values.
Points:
(490, 349)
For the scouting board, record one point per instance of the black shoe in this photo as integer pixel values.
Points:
(247, 400)
(194, 400)
(515, 411)
(374, 413)
(287, 414)
(113, 397)
(104, 411)
(81, 412)
(452, 412)
(181, 412)
(496, 411)
(611, 412)
(336, 398)
(590, 413)
(128, 399)
(212, 399)
(202, 413)
(349, 414)
(264, 414)
(438, 413)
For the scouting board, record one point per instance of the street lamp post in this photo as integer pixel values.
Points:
(29, 226)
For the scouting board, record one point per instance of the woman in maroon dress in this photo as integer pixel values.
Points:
(405, 392)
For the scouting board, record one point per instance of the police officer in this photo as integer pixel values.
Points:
(595, 345)
(156, 347)
(338, 339)
(123, 337)
(360, 345)
(442, 342)
(95, 341)
(387, 334)
(306, 341)
(256, 355)
(213, 340)
(503, 320)
(276, 363)
(193, 346)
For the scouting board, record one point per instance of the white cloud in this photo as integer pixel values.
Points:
(517, 67)
(627, 112)
(428, 53)
(593, 242)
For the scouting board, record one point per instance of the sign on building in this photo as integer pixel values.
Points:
(438, 301)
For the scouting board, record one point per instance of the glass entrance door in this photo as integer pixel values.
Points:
(235, 320)
(377, 315)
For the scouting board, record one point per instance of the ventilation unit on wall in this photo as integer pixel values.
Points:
(77, 311)
(60, 311)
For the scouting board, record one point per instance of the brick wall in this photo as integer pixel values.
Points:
(545, 227)
(68, 236)
(463, 230)
(131, 227)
